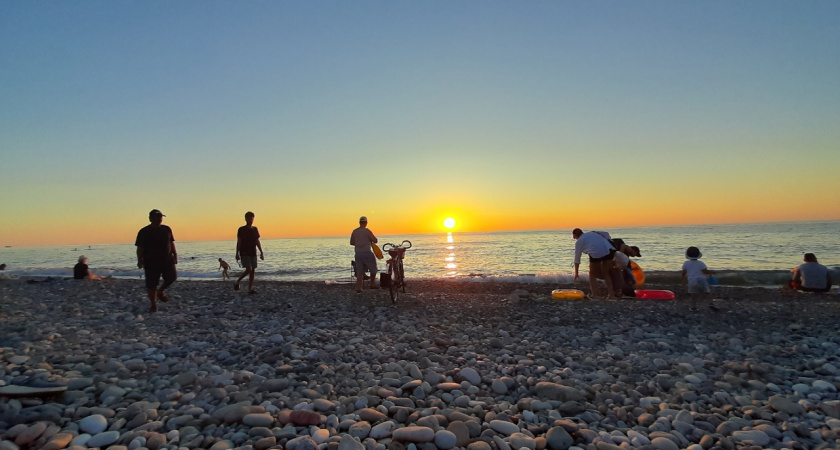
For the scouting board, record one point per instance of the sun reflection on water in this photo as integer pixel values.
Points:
(449, 260)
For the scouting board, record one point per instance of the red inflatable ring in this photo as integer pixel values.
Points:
(653, 294)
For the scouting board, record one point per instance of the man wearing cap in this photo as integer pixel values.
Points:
(601, 254)
(361, 238)
(157, 256)
(247, 243)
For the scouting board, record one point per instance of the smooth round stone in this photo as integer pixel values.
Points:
(471, 375)
(320, 436)
(81, 440)
(520, 440)
(382, 430)
(258, 420)
(751, 437)
(504, 427)
(663, 443)
(823, 386)
(322, 404)
(558, 438)
(31, 433)
(445, 440)
(103, 439)
(348, 443)
(93, 424)
(499, 387)
(371, 415)
(18, 359)
(360, 430)
(693, 379)
(413, 434)
(448, 386)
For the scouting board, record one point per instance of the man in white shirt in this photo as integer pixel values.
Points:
(601, 254)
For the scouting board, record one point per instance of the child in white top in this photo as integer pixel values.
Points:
(694, 273)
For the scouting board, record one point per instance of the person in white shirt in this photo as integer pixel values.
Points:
(694, 273)
(601, 254)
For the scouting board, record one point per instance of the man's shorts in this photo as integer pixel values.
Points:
(365, 262)
(153, 273)
(698, 286)
(248, 262)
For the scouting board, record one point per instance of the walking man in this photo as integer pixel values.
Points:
(361, 238)
(157, 256)
(247, 243)
(601, 254)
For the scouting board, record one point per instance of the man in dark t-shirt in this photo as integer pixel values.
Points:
(247, 243)
(157, 256)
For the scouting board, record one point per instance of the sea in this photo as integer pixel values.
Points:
(759, 254)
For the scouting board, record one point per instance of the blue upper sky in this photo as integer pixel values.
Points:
(488, 109)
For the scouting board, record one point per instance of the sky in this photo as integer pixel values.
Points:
(501, 115)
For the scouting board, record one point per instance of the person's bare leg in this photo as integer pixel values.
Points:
(359, 279)
(152, 293)
(372, 279)
(239, 280)
(251, 280)
(593, 280)
(606, 268)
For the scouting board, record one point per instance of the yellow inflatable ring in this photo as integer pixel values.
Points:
(568, 294)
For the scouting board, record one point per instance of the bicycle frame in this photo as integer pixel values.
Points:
(396, 271)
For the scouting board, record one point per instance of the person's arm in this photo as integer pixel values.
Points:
(577, 266)
(139, 257)
(173, 252)
(372, 237)
(352, 238)
(238, 244)
(92, 276)
(259, 246)
(797, 276)
(578, 253)
(708, 272)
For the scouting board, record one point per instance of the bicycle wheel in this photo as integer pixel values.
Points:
(393, 288)
(402, 277)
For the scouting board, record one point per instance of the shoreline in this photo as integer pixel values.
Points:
(487, 366)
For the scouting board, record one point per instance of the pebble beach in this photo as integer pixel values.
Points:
(454, 364)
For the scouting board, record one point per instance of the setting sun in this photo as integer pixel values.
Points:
(449, 223)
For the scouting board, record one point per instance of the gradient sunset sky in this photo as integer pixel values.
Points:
(502, 115)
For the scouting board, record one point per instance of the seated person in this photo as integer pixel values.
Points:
(81, 270)
(811, 276)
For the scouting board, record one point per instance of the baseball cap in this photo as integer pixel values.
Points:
(363, 219)
(156, 212)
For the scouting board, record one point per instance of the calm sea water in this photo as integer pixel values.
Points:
(748, 254)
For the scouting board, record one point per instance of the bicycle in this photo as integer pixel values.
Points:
(396, 274)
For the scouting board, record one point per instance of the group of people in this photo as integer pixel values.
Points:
(157, 255)
(609, 259)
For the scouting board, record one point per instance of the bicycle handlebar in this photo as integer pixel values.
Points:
(389, 246)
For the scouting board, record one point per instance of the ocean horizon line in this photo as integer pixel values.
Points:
(534, 230)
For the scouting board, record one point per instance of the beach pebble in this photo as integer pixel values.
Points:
(30, 434)
(348, 443)
(103, 439)
(471, 375)
(93, 424)
(413, 434)
(751, 437)
(445, 439)
(504, 427)
(258, 420)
